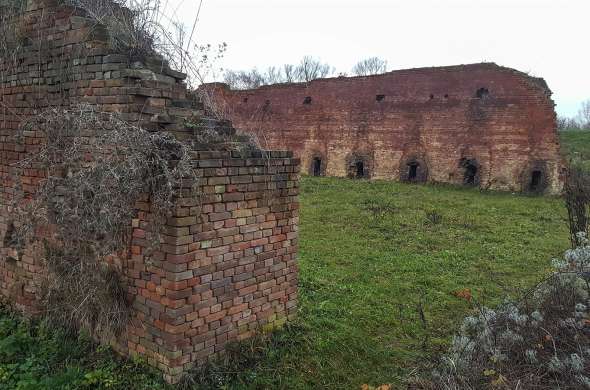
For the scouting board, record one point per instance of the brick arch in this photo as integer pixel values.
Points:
(312, 167)
(469, 171)
(414, 168)
(535, 178)
(357, 162)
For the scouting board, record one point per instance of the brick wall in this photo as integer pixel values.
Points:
(447, 122)
(228, 264)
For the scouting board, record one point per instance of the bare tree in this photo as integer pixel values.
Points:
(369, 66)
(311, 68)
(241, 79)
(274, 75)
(308, 69)
(289, 73)
(584, 115)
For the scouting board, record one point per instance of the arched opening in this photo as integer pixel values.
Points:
(470, 175)
(537, 181)
(413, 168)
(470, 172)
(316, 166)
(358, 166)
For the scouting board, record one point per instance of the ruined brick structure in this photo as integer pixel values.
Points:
(479, 124)
(228, 265)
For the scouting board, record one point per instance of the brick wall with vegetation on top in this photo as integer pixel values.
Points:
(479, 124)
(228, 263)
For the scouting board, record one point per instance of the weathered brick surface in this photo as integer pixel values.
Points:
(227, 263)
(230, 267)
(499, 119)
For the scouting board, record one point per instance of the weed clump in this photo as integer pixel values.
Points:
(541, 342)
(98, 168)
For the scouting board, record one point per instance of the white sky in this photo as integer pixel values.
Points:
(550, 38)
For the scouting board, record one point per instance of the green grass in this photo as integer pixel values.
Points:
(576, 145)
(373, 256)
(36, 357)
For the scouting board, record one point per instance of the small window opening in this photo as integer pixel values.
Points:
(431, 96)
(446, 95)
(317, 166)
(536, 181)
(482, 93)
(245, 100)
(413, 171)
(267, 102)
(470, 177)
(380, 98)
(307, 100)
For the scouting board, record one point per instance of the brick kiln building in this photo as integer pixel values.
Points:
(479, 124)
(227, 266)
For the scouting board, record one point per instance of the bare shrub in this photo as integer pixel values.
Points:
(98, 167)
(584, 115)
(308, 69)
(577, 200)
(130, 30)
(148, 29)
(540, 342)
(370, 66)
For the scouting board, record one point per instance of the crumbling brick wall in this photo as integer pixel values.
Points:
(228, 264)
(478, 124)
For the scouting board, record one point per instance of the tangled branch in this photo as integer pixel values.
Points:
(98, 167)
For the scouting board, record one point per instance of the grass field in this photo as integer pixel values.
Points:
(380, 263)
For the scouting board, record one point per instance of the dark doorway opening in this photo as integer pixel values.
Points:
(360, 169)
(316, 166)
(413, 171)
(536, 184)
(470, 177)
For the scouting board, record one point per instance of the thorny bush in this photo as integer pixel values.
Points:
(541, 342)
(98, 167)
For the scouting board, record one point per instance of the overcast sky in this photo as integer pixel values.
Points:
(549, 38)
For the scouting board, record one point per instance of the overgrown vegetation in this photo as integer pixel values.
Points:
(577, 201)
(150, 31)
(97, 167)
(539, 342)
(39, 356)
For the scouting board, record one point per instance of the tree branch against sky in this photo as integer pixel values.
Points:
(369, 66)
